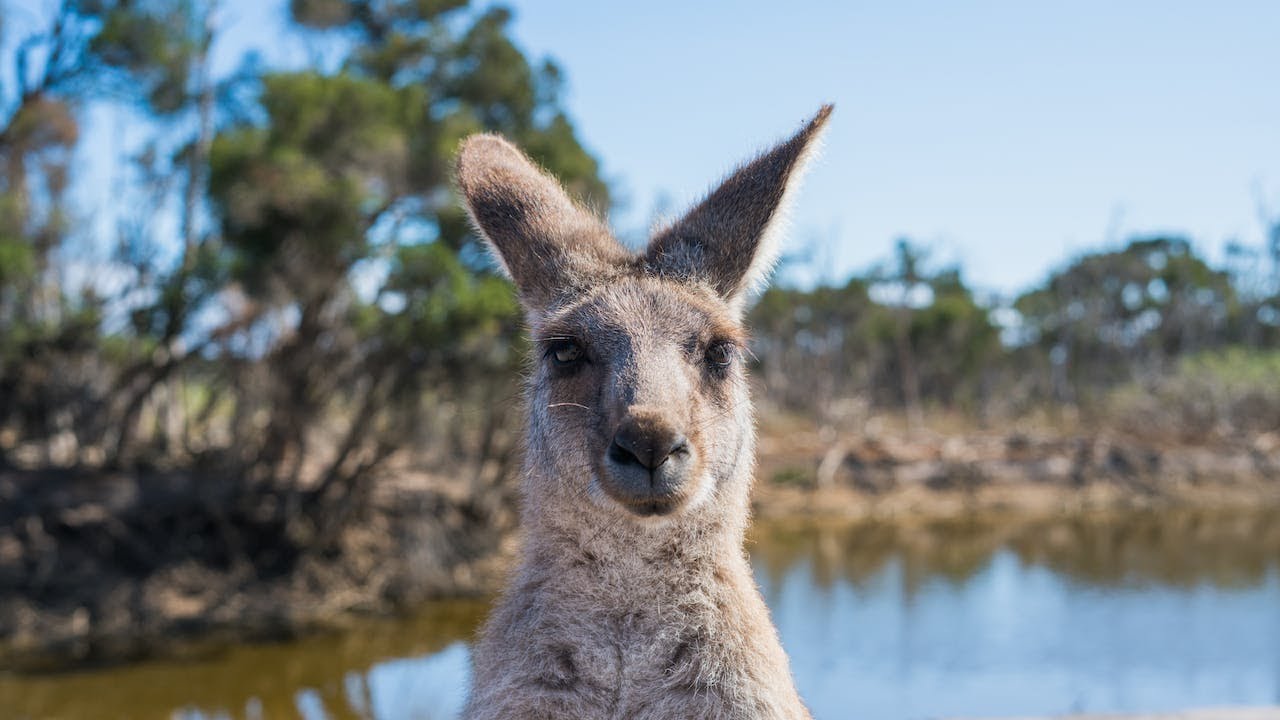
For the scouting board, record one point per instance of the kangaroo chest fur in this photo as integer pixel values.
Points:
(650, 634)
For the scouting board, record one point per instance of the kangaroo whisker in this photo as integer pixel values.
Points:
(568, 404)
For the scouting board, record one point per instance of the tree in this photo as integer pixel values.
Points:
(38, 132)
(336, 301)
(898, 337)
(350, 173)
(905, 278)
(1138, 307)
(816, 348)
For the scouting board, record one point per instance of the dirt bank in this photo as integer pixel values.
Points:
(102, 568)
(809, 472)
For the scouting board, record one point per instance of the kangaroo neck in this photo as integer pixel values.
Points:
(608, 553)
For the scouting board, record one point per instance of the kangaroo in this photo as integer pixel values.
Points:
(633, 596)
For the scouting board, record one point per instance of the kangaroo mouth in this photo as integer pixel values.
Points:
(652, 507)
(646, 502)
(645, 492)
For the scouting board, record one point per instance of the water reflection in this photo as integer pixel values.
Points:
(990, 618)
(983, 617)
(1178, 549)
(385, 668)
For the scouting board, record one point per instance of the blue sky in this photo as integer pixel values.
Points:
(1004, 135)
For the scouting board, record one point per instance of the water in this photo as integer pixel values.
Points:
(1142, 613)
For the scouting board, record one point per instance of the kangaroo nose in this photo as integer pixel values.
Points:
(645, 444)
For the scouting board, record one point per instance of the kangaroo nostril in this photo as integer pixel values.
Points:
(621, 453)
(679, 445)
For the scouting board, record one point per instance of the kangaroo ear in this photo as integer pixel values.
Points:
(731, 239)
(549, 246)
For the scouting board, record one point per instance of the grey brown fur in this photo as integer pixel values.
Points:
(633, 597)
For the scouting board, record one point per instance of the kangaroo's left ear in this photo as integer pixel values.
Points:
(731, 239)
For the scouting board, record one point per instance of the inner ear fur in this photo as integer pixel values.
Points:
(549, 246)
(731, 239)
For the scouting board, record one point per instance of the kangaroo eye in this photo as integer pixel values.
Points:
(564, 352)
(720, 355)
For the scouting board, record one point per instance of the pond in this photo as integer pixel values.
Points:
(979, 618)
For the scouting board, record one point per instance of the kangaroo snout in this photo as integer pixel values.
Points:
(649, 447)
(647, 463)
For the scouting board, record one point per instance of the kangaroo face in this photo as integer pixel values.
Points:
(644, 381)
(638, 396)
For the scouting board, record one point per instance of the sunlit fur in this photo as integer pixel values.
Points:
(613, 613)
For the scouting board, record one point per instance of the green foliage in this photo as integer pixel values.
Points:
(1137, 307)
(335, 240)
(907, 336)
(153, 42)
(16, 261)
(332, 157)
(955, 340)
(321, 14)
(350, 173)
(36, 142)
(444, 300)
(816, 345)
(794, 476)
(1236, 369)
(831, 343)
(1220, 392)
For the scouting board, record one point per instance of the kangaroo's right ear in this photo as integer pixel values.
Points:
(549, 246)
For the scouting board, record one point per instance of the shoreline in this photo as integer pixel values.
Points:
(887, 478)
(73, 593)
(423, 541)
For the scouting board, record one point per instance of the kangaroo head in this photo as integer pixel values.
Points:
(638, 391)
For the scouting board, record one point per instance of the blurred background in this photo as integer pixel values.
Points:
(1018, 377)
